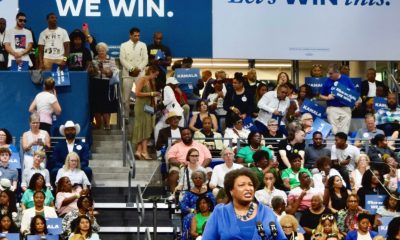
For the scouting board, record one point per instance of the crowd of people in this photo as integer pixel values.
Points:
(279, 177)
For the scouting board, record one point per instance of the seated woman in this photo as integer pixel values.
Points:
(67, 197)
(37, 183)
(33, 140)
(6, 173)
(85, 207)
(290, 176)
(185, 182)
(204, 208)
(196, 122)
(362, 165)
(347, 218)
(311, 217)
(6, 140)
(325, 171)
(289, 225)
(72, 170)
(363, 232)
(38, 158)
(265, 195)
(335, 195)
(7, 224)
(391, 178)
(273, 135)
(391, 206)
(278, 204)
(294, 143)
(245, 154)
(307, 121)
(207, 136)
(84, 230)
(38, 226)
(327, 227)
(188, 203)
(8, 206)
(38, 209)
(237, 133)
(371, 185)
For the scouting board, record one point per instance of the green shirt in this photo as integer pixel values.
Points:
(27, 198)
(201, 220)
(293, 177)
(247, 154)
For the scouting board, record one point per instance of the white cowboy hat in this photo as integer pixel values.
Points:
(70, 124)
(171, 114)
(172, 80)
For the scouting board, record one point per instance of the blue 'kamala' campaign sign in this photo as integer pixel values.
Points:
(345, 95)
(15, 161)
(38, 237)
(10, 236)
(321, 126)
(379, 103)
(54, 225)
(382, 229)
(372, 202)
(315, 83)
(312, 107)
(187, 78)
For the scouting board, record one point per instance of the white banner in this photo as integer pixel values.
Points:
(306, 29)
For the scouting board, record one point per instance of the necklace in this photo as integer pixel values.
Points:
(255, 149)
(248, 214)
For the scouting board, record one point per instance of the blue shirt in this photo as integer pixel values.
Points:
(223, 224)
(327, 89)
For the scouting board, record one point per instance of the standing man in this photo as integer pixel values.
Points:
(3, 55)
(159, 55)
(339, 115)
(133, 57)
(369, 86)
(53, 44)
(19, 42)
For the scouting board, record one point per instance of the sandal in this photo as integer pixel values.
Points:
(138, 156)
(145, 156)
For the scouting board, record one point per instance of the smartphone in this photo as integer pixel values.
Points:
(85, 27)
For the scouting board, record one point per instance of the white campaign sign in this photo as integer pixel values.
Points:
(306, 29)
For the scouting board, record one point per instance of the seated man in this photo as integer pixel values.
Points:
(219, 171)
(176, 156)
(315, 151)
(387, 119)
(5, 171)
(61, 150)
(173, 131)
(212, 140)
(370, 131)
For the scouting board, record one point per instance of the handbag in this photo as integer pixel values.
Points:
(148, 109)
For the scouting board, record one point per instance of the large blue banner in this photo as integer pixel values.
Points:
(315, 83)
(312, 107)
(186, 24)
(345, 95)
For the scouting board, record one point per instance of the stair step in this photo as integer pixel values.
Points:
(114, 176)
(109, 148)
(109, 169)
(107, 156)
(119, 194)
(104, 163)
(105, 137)
(106, 143)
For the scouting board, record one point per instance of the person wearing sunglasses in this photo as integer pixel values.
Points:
(327, 228)
(289, 225)
(235, 133)
(18, 42)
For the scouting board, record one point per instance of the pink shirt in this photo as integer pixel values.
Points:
(179, 151)
(65, 209)
(306, 201)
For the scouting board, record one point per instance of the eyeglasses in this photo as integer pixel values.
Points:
(228, 154)
(330, 217)
(194, 155)
(22, 20)
(308, 119)
(288, 226)
(332, 235)
(273, 125)
(35, 122)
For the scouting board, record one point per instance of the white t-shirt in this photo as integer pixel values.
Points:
(342, 154)
(363, 237)
(219, 172)
(265, 197)
(372, 89)
(53, 41)
(44, 100)
(19, 40)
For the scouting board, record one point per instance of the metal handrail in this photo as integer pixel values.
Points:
(140, 209)
(122, 124)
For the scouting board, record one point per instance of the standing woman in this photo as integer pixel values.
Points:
(239, 218)
(239, 101)
(103, 100)
(282, 79)
(46, 103)
(6, 140)
(144, 119)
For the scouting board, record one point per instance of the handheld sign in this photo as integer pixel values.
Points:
(38, 237)
(345, 95)
(10, 236)
(187, 78)
(54, 225)
(60, 76)
(315, 83)
(159, 54)
(373, 202)
(312, 107)
(379, 103)
(321, 126)
(15, 161)
(382, 229)
(23, 66)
